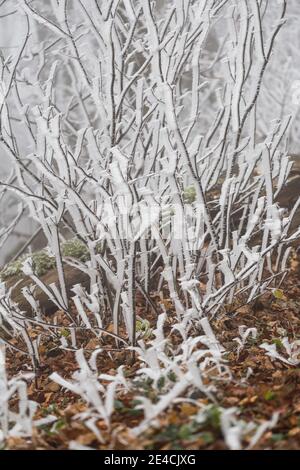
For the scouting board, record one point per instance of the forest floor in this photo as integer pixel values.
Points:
(272, 386)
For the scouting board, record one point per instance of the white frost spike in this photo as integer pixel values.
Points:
(292, 349)
(274, 223)
(27, 267)
(121, 159)
(73, 445)
(81, 312)
(166, 93)
(17, 423)
(129, 10)
(232, 430)
(244, 333)
(215, 346)
(263, 428)
(158, 332)
(48, 420)
(152, 411)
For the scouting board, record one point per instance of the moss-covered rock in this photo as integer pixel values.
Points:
(42, 262)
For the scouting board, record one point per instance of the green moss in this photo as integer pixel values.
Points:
(12, 269)
(189, 194)
(42, 262)
(76, 249)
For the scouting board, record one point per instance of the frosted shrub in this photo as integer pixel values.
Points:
(134, 132)
(141, 137)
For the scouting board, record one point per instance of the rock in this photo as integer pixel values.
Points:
(17, 283)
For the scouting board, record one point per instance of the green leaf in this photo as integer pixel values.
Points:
(269, 395)
(213, 415)
(278, 294)
(278, 342)
(276, 437)
(161, 382)
(172, 376)
(207, 437)
(61, 423)
(65, 332)
(118, 405)
(185, 432)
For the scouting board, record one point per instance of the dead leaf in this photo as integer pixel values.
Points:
(86, 439)
(294, 431)
(52, 387)
(188, 409)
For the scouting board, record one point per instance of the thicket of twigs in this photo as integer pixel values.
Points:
(146, 133)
